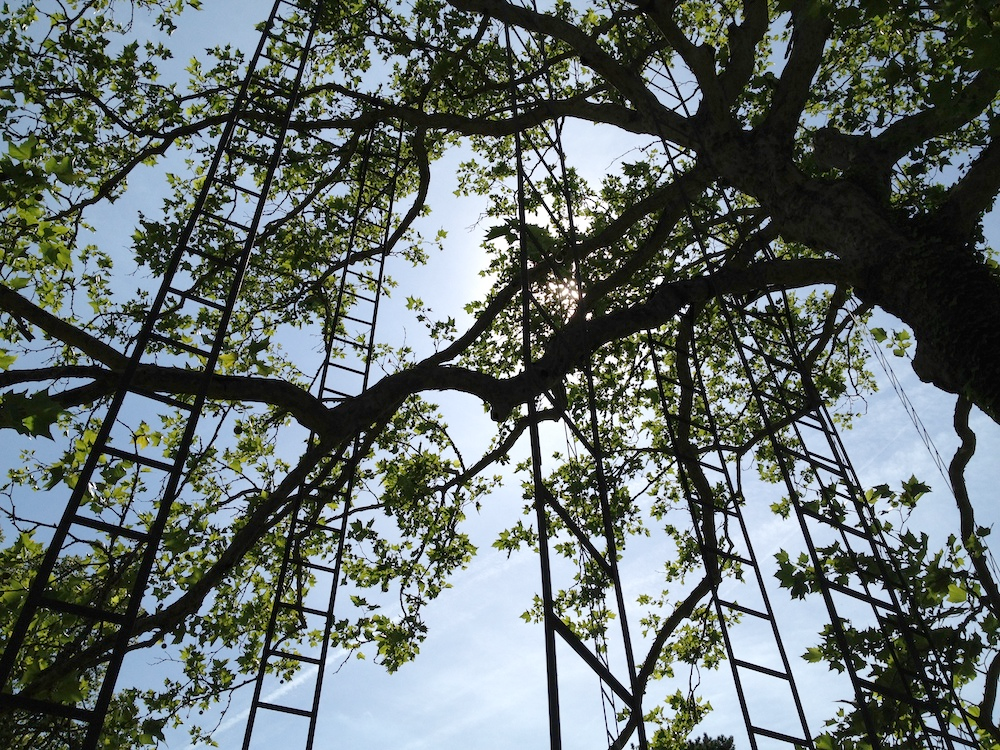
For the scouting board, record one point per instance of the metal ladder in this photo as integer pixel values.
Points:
(349, 345)
(836, 519)
(117, 545)
(540, 159)
(716, 501)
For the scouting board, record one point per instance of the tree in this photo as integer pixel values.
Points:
(841, 151)
(711, 743)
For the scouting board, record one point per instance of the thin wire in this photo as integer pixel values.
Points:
(908, 406)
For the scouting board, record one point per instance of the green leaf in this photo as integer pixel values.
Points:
(813, 655)
(956, 593)
(25, 150)
(503, 231)
(56, 475)
(227, 360)
(153, 728)
(31, 415)
(259, 346)
(59, 166)
(18, 282)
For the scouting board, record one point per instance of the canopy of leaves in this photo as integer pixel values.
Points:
(842, 152)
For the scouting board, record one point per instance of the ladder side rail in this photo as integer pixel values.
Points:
(302, 525)
(545, 149)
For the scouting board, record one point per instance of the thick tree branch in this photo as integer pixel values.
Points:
(743, 41)
(973, 195)
(700, 59)
(622, 78)
(682, 612)
(19, 307)
(908, 267)
(567, 349)
(897, 140)
(969, 530)
(805, 54)
(641, 121)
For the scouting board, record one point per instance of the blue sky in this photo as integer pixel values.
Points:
(479, 680)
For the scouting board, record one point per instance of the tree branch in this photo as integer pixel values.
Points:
(743, 41)
(805, 54)
(973, 195)
(69, 334)
(678, 616)
(904, 135)
(970, 536)
(622, 78)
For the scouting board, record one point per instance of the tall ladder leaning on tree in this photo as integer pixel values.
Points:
(578, 517)
(323, 508)
(202, 279)
(823, 493)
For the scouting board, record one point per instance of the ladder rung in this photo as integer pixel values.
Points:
(257, 127)
(179, 345)
(290, 64)
(164, 399)
(136, 458)
(780, 736)
(339, 395)
(82, 610)
(348, 369)
(735, 558)
(260, 161)
(230, 262)
(835, 524)
(285, 709)
(294, 657)
(953, 737)
(288, 22)
(365, 277)
(745, 610)
(349, 342)
(814, 459)
(110, 528)
(268, 84)
(862, 596)
(813, 420)
(228, 182)
(321, 528)
(792, 402)
(317, 566)
(196, 298)
(761, 668)
(303, 609)
(359, 321)
(711, 467)
(361, 297)
(730, 510)
(226, 221)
